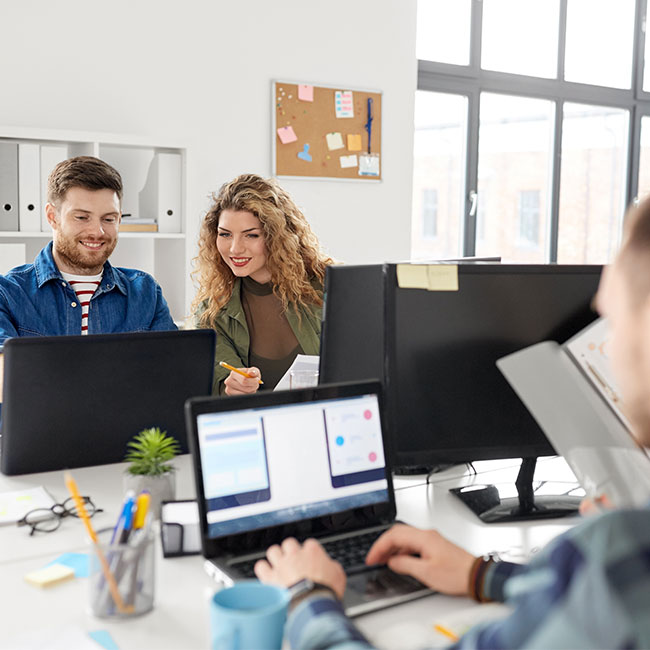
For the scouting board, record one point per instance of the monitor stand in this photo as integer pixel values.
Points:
(490, 507)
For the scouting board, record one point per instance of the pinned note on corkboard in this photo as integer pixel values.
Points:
(326, 132)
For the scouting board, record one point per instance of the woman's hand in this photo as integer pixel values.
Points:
(237, 384)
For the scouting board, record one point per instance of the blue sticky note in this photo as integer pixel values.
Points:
(304, 154)
(104, 638)
(76, 561)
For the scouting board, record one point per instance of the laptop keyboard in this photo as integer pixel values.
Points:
(350, 552)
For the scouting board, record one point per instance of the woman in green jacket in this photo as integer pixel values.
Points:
(261, 273)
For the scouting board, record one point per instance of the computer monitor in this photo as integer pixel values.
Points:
(352, 332)
(446, 400)
(75, 401)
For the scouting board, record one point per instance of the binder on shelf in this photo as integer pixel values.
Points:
(160, 198)
(8, 186)
(29, 187)
(51, 156)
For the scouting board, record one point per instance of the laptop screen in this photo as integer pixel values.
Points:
(271, 465)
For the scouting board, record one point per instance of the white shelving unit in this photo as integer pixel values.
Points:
(163, 254)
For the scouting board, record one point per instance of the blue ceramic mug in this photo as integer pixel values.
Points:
(248, 616)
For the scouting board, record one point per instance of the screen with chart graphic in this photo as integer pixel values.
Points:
(354, 444)
(278, 464)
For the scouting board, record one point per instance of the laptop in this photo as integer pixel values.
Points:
(302, 463)
(75, 401)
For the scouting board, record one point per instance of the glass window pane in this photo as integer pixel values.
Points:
(644, 159)
(592, 184)
(599, 42)
(443, 31)
(514, 177)
(438, 175)
(521, 36)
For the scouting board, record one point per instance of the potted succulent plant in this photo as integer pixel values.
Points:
(150, 454)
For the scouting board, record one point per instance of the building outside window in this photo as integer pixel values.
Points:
(528, 210)
(429, 213)
(535, 135)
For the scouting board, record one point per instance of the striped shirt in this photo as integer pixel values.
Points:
(85, 287)
(589, 588)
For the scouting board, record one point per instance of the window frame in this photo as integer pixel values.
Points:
(471, 81)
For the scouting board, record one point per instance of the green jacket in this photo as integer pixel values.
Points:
(233, 339)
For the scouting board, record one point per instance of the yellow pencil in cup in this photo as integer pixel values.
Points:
(223, 364)
(108, 576)
(446, 632)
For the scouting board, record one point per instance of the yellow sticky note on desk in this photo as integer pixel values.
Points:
(412, 276)
(442, 277)
(50, 575)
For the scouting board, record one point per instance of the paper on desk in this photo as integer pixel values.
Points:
(186, 514)
(301, 362)
(15, 505)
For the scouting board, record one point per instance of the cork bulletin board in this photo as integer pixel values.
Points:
(323, 131)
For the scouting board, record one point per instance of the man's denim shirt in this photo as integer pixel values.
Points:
(35, 300)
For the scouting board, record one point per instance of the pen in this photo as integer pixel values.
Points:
(81, 509)
(368, 125)
(223, 364)
(129, 511)
(119, 526)
(141, 509)
(445, 632)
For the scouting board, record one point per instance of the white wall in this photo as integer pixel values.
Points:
(200, 71)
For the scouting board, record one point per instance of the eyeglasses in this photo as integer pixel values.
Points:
(47, 520)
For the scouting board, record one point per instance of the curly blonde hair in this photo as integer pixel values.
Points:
(293, 254)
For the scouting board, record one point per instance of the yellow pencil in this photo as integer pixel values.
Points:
(108, 576)
(223, 364)
(445, 632)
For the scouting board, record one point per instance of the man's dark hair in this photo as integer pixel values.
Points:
(83, 171)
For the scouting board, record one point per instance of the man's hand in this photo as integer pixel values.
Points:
(595, 505)
(236, 384)
(291, 562)
(425, 555)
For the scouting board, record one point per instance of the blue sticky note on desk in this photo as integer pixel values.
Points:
(78, 562)
(104, 638)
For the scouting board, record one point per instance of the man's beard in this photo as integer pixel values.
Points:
(75, 258)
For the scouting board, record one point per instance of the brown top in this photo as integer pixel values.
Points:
(273, 345)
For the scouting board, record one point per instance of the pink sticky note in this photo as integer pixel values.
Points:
(287, 134)
(305, 93)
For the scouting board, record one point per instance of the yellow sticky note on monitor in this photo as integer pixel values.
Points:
(354, 142)
(412, 276)
(442, 277)
(50, 575)
(334, 141)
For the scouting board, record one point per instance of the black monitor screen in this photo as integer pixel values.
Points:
(352, 334)
(446, 399)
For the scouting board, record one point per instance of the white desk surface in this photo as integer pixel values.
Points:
(180, 617)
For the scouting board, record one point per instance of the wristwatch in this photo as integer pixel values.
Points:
(307, 587)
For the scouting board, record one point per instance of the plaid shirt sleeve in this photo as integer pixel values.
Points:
(590, 588)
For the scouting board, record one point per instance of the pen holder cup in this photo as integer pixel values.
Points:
(122, 576)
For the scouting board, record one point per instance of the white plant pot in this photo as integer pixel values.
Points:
(162, 488)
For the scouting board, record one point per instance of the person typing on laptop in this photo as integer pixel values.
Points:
(589, 588)
(71, 287)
